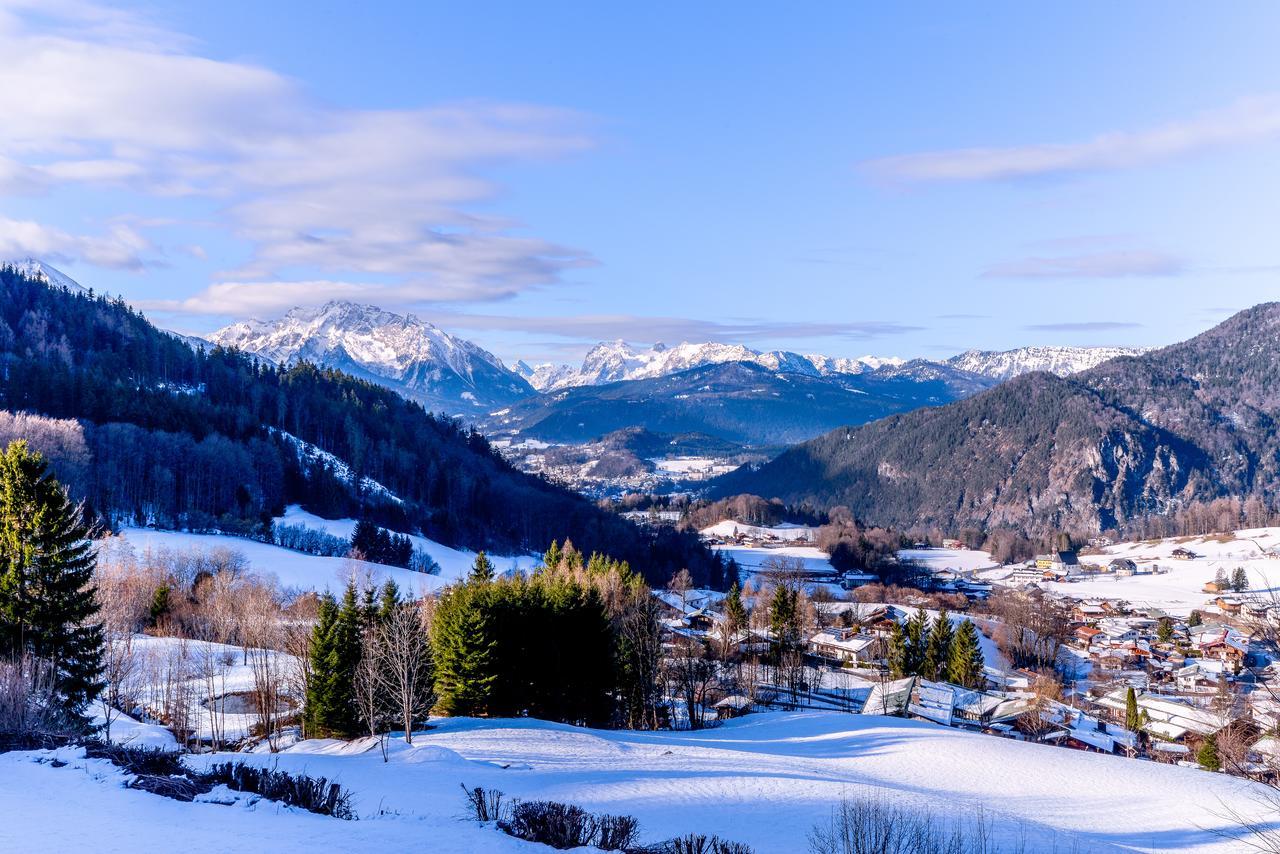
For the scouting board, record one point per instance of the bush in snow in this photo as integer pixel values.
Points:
(617, 832)
(315, 794)
(487, 804)
(137, 760)
(873, 826)
(698, 843)
(558, 825)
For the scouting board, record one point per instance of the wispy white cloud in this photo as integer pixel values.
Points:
(646, 329)
(1248, 120)
(95, 97)
(1110, 264)
(121, 247)
(1083, 326)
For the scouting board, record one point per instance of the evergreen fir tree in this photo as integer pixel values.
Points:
(1164, 630)
(899, 662)
(937, 653)
(735, 613)
(389, 600)
(47, 604)
(784, 618)
(917, 641)
(1132, 719)
(551, 558)
(463, 642)
(965, 666)
(482, 569)
(1239, 580)
(1195, 619)
(316, 711)
(335, 654)
(1207, 756)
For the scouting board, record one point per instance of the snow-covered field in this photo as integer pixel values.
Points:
(1181, 589)
(750, 559)
(763, 780)
(959, 560)
(310, 572)
(786, 532)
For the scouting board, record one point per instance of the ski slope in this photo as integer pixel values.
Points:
(764, 780)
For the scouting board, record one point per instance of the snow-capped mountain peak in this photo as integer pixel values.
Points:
(34, 268)
(403, 352)
(1063, 361)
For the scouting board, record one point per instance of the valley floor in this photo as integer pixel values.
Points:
(763, 780)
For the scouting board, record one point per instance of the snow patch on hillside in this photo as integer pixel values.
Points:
(1063, 361)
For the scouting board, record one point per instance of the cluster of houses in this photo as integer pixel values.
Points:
(1148, 648)
(1179, 675)
(1067, 566)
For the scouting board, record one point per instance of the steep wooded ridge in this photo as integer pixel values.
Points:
(183, 437)
(1132, 437)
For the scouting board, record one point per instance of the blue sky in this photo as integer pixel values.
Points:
(838, 178)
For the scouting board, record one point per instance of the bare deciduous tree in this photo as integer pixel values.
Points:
(403, 650)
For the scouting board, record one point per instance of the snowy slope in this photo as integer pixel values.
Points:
(764, 780)
(402, 352)
(34, 268)
(310, 572)
(1007, 364)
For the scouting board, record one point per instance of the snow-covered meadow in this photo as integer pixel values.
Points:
(1179, 587)
(296, 570)
(764, 780)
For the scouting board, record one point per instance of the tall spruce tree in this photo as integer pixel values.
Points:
(482, 568)
(335, 654)
(463, 641)
(899, 661)
(388, 601)
(917, 642)
(965, 666)
(47, 603)
(315, 712)
(937, 654)
(735, 613)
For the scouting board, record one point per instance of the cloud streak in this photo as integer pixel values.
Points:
(1248, 120)
(311, 188)
(1111, 264)
(1083, 326)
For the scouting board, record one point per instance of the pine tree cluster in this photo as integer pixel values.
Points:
(379, 545)
(939, 652)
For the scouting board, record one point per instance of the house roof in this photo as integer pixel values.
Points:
(857, 643)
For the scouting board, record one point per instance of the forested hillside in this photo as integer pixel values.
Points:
(186, 438)
(1127, 440)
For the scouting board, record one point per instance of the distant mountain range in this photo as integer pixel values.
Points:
(408, 355)
(616, 361)
(735, 393)
(1132, 437)
(146, 429)
(742, 402)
